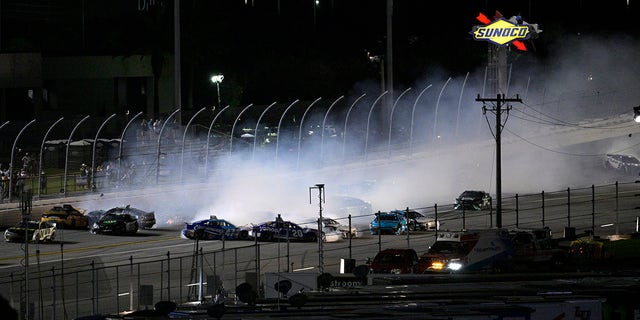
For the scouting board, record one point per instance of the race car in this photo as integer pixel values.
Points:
(417, 221)
(473, 200)
(115, 223)
(209, 229)
(146, 219)
(94, 216)
(35, 231)
(331, 227)
(66, 216)
(282, 231)
(388, 223)
(622, 162)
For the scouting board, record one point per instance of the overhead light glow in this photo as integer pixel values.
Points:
(217, 78)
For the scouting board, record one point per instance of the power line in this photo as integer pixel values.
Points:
(569, 153)
(566, 123)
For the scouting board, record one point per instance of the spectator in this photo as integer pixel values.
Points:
(43, 182)
(26, 162)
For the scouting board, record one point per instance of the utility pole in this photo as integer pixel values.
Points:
(320, 187)
(499, 101)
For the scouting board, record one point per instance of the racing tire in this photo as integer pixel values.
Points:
(312, 238)
(243, 235)
(268, 237)
(198, 234)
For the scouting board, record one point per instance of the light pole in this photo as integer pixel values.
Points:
(217, 79)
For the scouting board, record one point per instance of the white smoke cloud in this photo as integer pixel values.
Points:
(584, 79)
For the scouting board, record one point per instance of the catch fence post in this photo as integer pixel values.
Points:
(117, 288)
(464, 217)
(405, 218)
(617, 229)
(161, 277)
(543, 224)
(593, 210)
(138, 285)
(93, 289)
(350, 236)
(568, 207)
(235, 265)
(77, 293)
(379, 232)
(435, 210)
(130, 282)
(517, 211)
(53, 291)
(168, 276)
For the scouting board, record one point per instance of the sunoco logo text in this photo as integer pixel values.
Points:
(501, 32)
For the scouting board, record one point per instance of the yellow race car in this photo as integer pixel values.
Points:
(66, 216)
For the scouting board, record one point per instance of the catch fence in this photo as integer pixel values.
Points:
(71, 288)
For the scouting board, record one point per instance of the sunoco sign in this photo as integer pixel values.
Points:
(501, 32)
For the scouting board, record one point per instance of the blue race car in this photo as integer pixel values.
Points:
(210, 229)
(388, 223)
(281, 230)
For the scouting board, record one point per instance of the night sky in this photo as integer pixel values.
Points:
(285, 49)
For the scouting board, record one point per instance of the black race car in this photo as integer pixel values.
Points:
(473, 200)
(115, 223)
(146, 219)
(279, 230)
(94, 216)
(34, 230)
